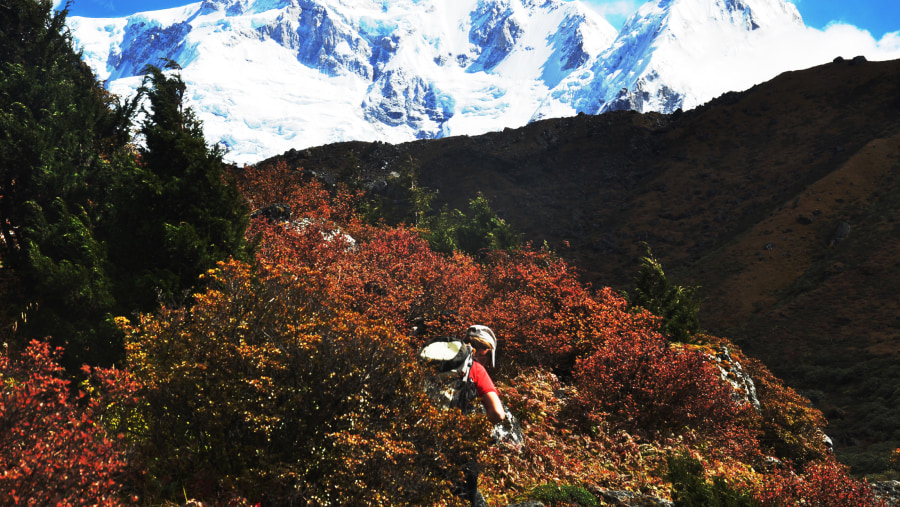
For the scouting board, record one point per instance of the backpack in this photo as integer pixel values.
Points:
(450, 386)
(450, 361)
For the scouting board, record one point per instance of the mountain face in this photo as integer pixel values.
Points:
(267, 76)
(660, 57)
(781, 203)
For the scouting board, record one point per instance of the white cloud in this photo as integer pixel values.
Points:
(739, 64)
(839, 39)
(890, 43)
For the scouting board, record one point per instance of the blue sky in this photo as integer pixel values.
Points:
(876, 16)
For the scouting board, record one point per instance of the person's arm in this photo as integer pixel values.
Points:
(493, 407)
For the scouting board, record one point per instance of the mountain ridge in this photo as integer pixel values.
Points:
(742, 197)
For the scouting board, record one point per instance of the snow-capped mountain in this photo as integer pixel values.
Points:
(266, 76)
(665, 53)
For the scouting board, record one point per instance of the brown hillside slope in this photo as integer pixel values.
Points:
(741, 197)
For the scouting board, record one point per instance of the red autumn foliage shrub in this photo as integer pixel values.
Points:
(266, 185)
(394, 276)
(546, 316)
(262, 391)
(53, 449)
(388, 274)
(822, 483)
(527, 292)
(531, 299)
(636, 380)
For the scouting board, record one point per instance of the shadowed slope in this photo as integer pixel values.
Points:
(742, 197)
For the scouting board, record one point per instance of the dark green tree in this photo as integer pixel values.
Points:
(179, 215)
(398, 199)
(90, 228)
(61, 136)
(678, 306)
(483, 230)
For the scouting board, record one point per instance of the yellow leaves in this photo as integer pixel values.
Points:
(261, 370)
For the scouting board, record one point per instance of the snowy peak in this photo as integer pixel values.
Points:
(656, 61)
(271, 75)
(492, 44)
(746, 15)
(267, 76)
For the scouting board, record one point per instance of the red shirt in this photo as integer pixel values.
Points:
(483, 382)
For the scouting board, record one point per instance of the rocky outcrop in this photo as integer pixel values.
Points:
(397, 98)
(887, 491)
(841, 231)
(494, 32)
(280, 212)
(632, 499)
(320, 40)
(645, 98)
(613, 497)
(732, 372)
(147, 42)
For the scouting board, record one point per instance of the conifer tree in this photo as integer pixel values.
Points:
(678, 306)
(179, 216)
(454, 231)
(89, 231)
(59, 135)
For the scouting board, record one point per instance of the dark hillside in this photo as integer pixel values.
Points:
(742, 197)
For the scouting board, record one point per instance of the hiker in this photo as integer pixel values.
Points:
(460, 378)
(484, 343)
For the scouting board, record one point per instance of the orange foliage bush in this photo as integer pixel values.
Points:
(387, 274)
(263, 186)
(262, 391)
(394, 276)
(546, 316)
(822, 483)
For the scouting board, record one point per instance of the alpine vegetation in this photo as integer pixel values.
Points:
(162, 347)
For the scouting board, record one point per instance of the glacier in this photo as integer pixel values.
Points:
(267, 76)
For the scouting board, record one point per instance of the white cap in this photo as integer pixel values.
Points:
(484, 335)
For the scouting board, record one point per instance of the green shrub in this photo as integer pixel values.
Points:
(484, 230)
(678, 306)
(563, 495)
(691, 488)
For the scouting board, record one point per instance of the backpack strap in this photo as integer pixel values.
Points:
(466, 393)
